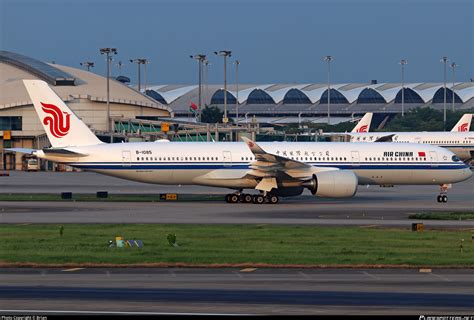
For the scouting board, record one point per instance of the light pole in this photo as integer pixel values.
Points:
(200, 59)
(444, 60)
(237, 62)
(119, 65)
(453, 67)
(328, 59)
(206, 71)
(403, 62)
(225, 54)
(139, 61)
(87, 64)
(144, 71)
(108, 52)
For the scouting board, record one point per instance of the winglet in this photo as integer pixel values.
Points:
(254, 147)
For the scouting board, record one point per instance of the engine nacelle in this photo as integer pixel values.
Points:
(333, 184)
(288, 191)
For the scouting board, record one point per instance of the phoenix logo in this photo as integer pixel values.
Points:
(463, 127)
(57, 120)
(363, 128)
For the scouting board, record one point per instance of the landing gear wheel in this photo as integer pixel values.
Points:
(258, 199)
(273, 199)
(439, 198)
(444, 198)
(233, 198)
(246, 198)
(227, 198)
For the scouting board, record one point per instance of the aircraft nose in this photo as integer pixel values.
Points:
(469, 172)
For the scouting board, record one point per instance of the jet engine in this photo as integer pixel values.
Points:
(333, 184)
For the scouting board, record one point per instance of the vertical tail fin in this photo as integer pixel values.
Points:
(63, 127)
(464, 124)
(364, 123)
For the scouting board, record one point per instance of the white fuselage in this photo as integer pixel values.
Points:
(226, 164)
(461, 143)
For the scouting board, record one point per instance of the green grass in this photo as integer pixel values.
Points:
(111, 197)
(443, 215)
(234, 244)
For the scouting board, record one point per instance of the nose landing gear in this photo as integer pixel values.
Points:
(443, 193)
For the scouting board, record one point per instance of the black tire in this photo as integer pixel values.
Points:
(259, 199)
(439, 198)
(233, 198)
(227, 198)
(273, 199)
(445, 198)
(246, 198)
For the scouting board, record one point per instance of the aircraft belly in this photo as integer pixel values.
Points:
(175, 177)
(417, 177)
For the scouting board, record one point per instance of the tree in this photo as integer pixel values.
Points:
(212, 115)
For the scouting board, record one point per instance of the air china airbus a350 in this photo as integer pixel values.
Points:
(274, 168)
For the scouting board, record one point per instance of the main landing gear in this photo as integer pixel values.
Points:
(443, 194)
(252, 198)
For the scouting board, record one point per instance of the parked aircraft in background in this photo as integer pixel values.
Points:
(459, 140)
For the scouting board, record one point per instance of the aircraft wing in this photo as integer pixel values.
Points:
(270, 167)
(387, 138)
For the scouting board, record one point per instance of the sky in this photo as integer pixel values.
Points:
(281, 41)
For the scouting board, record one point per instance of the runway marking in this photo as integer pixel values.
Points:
(370, 275)
(72, 270)
(440, 277)
(425, 270)
(125, 312)
(248, 270)
(304, 274)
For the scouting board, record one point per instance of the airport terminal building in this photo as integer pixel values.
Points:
(295, 103)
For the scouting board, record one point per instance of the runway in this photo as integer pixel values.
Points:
(371, 206)
(232, 291)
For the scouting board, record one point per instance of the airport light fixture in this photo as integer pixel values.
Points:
(200, 59)
(225, 54)
(444, 60)
(108, 52)
(139, 62)
(403, 63)
(237, 62)
(87, 64)
(206, 72)
(453, 67)
(328, 59)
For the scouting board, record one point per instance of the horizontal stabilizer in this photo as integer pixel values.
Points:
(63, 153)
(21, 150)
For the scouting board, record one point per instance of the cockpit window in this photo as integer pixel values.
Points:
(456, 158)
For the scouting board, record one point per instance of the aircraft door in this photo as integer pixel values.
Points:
(434, 158)
(355, 158)
(227, 158)
(126, 158)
